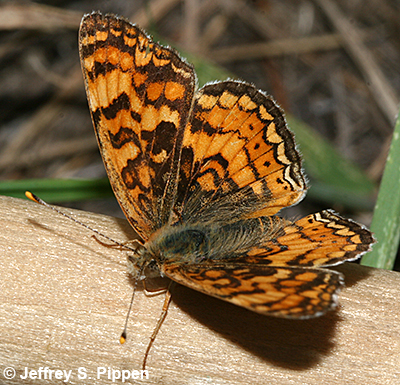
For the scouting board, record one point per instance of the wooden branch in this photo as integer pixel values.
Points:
(64, 299)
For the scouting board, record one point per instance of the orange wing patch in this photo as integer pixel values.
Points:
(238, 153)
(321, 239)
(139, 95)
(291, 292)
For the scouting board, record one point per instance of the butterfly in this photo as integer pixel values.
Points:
(201, 175)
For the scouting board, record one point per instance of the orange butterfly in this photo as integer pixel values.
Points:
(201, 175)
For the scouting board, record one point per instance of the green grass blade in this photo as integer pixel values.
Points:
(386, 220)
(58, 190)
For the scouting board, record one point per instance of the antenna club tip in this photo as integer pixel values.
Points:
(31, 196)
(122, 339)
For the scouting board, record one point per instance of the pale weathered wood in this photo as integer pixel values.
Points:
(64, 299)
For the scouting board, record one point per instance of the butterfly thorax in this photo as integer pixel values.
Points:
(196, 243)
(181, 244)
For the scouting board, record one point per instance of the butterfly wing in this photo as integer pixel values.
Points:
(289, 292)
(140, 95)
(238, 157)
(321, 239)
(272, 266)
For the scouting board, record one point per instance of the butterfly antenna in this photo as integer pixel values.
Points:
(36, 199)
(122, 339)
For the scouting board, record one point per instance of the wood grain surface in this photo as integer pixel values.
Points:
(64, 299)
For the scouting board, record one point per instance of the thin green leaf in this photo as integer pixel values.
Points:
(58, 190)
(386, 220)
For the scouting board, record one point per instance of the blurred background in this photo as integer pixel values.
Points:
(333, 65)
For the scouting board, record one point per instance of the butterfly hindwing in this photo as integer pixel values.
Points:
(321, 239)
(288, 292)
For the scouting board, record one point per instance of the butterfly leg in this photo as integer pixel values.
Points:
(160, 321)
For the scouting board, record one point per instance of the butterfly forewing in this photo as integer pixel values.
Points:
(237, 155)
(139, 96)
